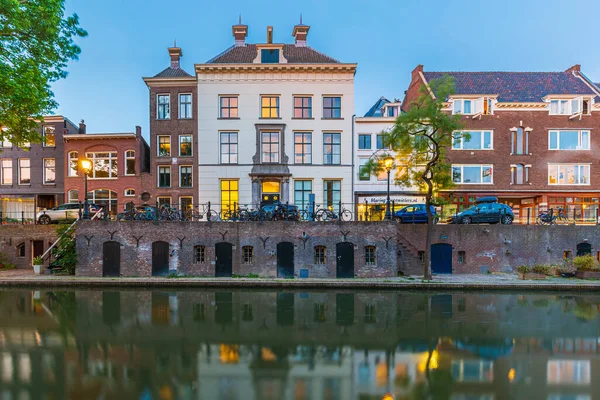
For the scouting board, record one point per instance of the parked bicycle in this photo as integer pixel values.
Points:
(552, 218)
(326, 214)
(197, 214)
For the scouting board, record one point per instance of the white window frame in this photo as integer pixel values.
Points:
(70, 159)
(191, 167)
(571, 106)
(191, 145)
(45, 169)
(158, 146)
(127, 158)
(19, 171)
(482, 166)
(158, 167)
(2, 172)
(461, 109)
(179, 103)
(113, 155)
(127, 192)
(158, 104)
(461, 141)
(71, 199)
(576, 165)
(579, 139)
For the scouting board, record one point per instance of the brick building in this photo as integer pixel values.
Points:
(173, 133)
(532, 140)
(31, 176)
(121, 171)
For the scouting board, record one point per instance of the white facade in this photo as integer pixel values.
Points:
(248, 83)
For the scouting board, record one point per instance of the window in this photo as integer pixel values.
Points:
(269, 56)
(164, 146)
(568, 174)
(129, 192)
(269, 107)
(520, 141)
(164, 176)
(301, 191)
(462, 106)
(228, 106)
(520, 174)
(162, 111)
(21, 250)
(185, 145)
(49, 171)
(364, 142)
(363, 173)
(186, 203)
(185, 176)
(229, 194)
(229, 148)
(332, 193)
(302, 107)
(569, 140)
(130, 162)
(199, 254)
(73, 196)
(105, 165)
(320, 255)
(185, 106)
(270, 147)
(472, 140)
(248, 255)
(319, 311)
(569, 372)
(487, 106)
(461, 257)
(332, 107)
(6, 171)
(303, 148)
(370, 256)
(104, 198)
(73, 163)
(472, 370)
(569, 107)
(391, 111)
(49, 137)
(332, 148)
(24, 171)
(163, 201)
(381, 142)
(472, 174)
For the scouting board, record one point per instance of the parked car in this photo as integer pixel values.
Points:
(64, 212)
(415, 214)
(485, 210)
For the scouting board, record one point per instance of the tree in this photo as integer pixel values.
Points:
(420, 138)
(36, 43)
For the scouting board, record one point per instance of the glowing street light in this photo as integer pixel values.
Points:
(86, 167)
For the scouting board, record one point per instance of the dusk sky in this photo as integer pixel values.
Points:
(128, 40)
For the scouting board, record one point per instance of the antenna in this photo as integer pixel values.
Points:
(300, 18)
(240, 20)
(175, 43)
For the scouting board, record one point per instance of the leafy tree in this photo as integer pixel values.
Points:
(65, 251)
(36, 43)
(420, 138)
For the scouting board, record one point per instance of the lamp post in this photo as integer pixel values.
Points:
(388, 163)
(86, 167)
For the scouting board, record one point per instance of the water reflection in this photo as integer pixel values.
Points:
(297, 345)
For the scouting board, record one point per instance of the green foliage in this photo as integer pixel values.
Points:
(523, 269)
(5, 263)
(251, 275)
(38, 260)
(65, 252)
(541, 269)
(586, 263)
(36, 43)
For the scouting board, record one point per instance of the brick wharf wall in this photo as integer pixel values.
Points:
(12, 237)
(497, 248)
(136, 256)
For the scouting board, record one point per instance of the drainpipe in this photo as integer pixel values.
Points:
(352, 180)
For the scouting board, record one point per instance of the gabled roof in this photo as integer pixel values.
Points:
(377, 109)
(515, 86)
(171, 72)
(292, 53)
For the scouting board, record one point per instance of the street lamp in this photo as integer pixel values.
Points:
(86, 167)
(388, 163)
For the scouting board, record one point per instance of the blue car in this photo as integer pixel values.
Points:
(415, 214)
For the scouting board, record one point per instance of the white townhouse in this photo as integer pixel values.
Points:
(370, 192)
(275, 123)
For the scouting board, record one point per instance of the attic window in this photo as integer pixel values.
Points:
(464, 106)
(269, 56)
(569, 107)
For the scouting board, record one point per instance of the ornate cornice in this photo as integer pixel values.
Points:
(249, 68)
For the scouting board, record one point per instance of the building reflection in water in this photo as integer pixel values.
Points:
(292, 345)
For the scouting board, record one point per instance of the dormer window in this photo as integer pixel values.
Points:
(482, 105)
(464, 106)
(569, 106)
(269, 56)
(391, 111)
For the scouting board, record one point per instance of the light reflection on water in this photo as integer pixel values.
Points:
(297, 345)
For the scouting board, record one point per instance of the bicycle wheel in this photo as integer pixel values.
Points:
(212, 216)
(346, 215)
(561, 220)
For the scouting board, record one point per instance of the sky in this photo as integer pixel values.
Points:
(128, 40)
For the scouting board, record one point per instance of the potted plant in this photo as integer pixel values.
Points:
(38, 263)
(567, 270)
(587, 267)
(535, 272)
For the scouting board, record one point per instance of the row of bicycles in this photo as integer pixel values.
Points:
(268, 212)
(553, 217)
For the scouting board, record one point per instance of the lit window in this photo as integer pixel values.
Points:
(303, 148)
(24, 171)
(302, 107)
(185, 106)
(185, 145)
(49, 139)
(568, 174)
(229, 194)
(472, 140)
(130, 162)
(199, 254)
(248, 255)
(129, 192)
(164, 146)
(332, 107)
(569, 140)
(6, 171)
(49, 171)
(228, 106)
(185, 176)
(104, 165)
(320, 255)
(163, 107)
(229, 147)
(472, 174)
(73, 163)
(164, 176)
(370, 255)
(269, 107)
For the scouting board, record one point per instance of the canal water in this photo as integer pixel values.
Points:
(342, 345)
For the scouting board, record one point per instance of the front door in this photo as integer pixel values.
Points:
(160, 258)
(584, 249)
(111, 259)
(344, 252)
(38, 248)
(285, 260)
(441, 258)
(223, 259)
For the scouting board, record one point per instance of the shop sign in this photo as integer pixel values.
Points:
(395, 199)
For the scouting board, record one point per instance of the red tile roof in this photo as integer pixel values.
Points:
(292, 53)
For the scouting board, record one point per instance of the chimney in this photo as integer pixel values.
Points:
(175, 53)
(574, 68)
(239, 33)
(300, 33)
(82, 127)
(269, 34)
(138, 131)
(415, 72)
